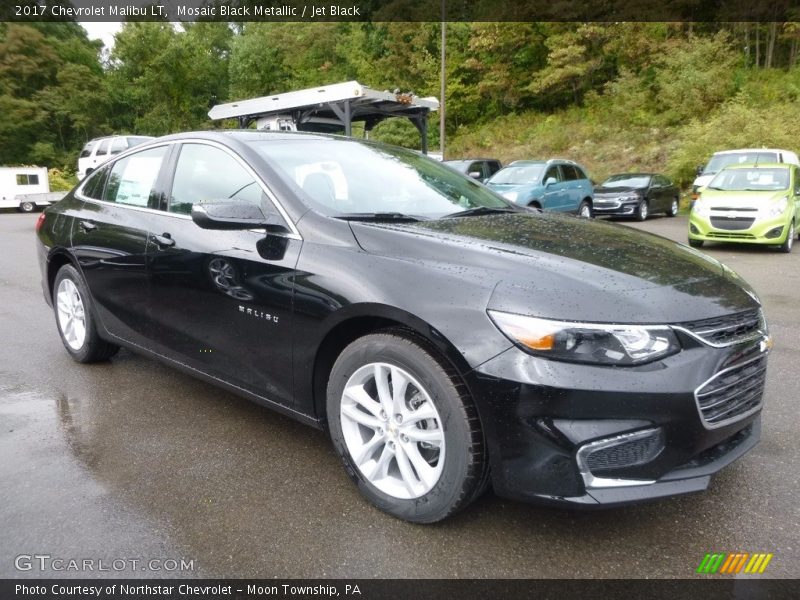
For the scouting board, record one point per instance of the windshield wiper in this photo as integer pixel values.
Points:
(480, 210)
(379, 216)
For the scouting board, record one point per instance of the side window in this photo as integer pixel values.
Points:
(87, 150)
(552, 172)
(580, 174)
(27, 180)
(494, 167)
(205, 173)
(102, 150)
(131, 179)
(796, 181)
(93, 188)
(118, 145)
(570, 173)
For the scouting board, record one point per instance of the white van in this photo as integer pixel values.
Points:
(99, 150)
(25, 188)
(725, 158)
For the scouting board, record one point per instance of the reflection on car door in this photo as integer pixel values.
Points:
(556, 196)
(222, 300)
(109, 239)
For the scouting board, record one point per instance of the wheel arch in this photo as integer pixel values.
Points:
(360, 320)
(57, 259)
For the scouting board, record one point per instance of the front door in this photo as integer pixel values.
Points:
(222, 300)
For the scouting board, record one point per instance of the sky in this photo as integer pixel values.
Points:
(102, 31)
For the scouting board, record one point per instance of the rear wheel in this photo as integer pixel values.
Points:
(405, 428)
(75, 318)
(585, 210)
(695, 243)
(673, 208)
(787, 245)
(27, 207)
(642, 210)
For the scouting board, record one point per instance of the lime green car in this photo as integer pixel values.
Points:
(753, 204)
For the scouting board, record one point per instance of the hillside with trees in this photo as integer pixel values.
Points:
(614, 96)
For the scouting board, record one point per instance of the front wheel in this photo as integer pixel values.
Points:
(27, 207)
(585, 210)
(787, 245)
(75, 318)
(405, 428)
(642, 210)
(673, 208)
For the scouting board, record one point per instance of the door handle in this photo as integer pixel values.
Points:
(164, 240)
(87, 226)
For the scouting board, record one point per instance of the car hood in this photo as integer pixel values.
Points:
(759, 200)
(616, 191)
(563, 267)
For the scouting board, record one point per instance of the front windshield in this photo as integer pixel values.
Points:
(751, 180)
(627, 181)
(518, 175)
(720, 161)
(346, 177)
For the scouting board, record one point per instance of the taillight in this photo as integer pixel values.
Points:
(40, 222)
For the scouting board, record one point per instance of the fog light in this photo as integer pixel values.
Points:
(694, 229)
(775, 232)
(597, 460)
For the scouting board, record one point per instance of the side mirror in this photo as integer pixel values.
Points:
(475, 174)
(699, 170)
(233, 215)
(550, 181)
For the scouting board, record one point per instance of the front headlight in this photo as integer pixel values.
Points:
(511, 196)
(701, 207)
(629, 198)
(777, 209)
(619, 345)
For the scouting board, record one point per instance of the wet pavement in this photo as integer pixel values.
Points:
(131, 460)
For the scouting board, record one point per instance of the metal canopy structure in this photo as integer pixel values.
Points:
(332, 108)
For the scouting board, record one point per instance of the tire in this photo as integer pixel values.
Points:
(418, 470)
(695, 243)
(75, 318)
(27, 207)
(787, 245)
(585, 210)
(536, 205)
(642, 210)
(673, 208)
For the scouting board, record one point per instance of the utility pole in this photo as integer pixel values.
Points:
(443, 84)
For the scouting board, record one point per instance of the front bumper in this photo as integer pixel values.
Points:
(541, 417)
(614, 207)
(730, 227)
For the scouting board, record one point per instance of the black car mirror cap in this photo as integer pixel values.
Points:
(235, 215)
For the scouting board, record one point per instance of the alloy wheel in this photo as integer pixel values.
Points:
(392, 430)
(71, 314)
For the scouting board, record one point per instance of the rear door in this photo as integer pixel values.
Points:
(110, 237)
(222, 300)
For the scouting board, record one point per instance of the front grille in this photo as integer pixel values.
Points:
(626, 453)
(730, 236)
(731, 208)
(730, 329)
(732, 224)
(732, 393)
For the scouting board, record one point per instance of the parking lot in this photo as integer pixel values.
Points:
(131, 459)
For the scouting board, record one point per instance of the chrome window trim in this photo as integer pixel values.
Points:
(593, 482)
(294, 234)
(726, 422)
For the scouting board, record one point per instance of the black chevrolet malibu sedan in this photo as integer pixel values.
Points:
(446, 339)
(636, 195)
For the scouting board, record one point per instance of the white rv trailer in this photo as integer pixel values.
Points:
(26, 188)
(329, 109)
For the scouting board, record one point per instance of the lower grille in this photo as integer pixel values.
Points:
(734, 224)
(730, 236)
(733, 393)
(626, 453)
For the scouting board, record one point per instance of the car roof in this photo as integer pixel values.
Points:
(740, 150)
(565, 161)
(249, 135)
(466, 160)
(633, 174)
(760, 166)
